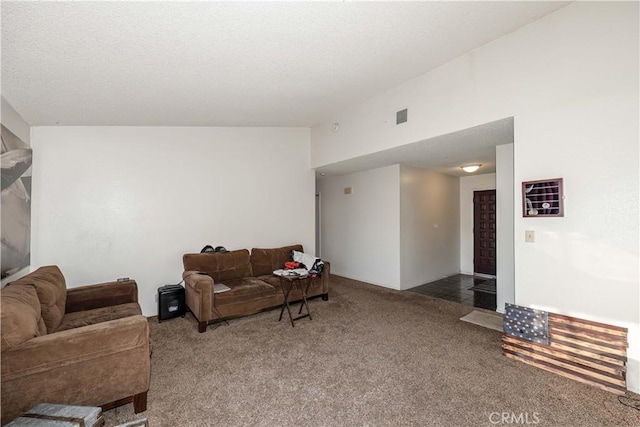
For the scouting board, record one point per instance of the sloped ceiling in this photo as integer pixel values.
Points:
(230, 63)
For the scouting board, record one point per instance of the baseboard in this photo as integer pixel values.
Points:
(359, 279)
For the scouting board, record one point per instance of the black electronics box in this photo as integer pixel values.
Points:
(170, 302)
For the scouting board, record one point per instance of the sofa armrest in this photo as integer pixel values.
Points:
(198, 294)
(91, 365)
(101, 295)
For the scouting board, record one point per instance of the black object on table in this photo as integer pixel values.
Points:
(288, 283)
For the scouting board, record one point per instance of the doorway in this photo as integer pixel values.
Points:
(484, 232)
(318, 225)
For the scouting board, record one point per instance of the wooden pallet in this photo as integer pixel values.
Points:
(589, 352)
(53, 414)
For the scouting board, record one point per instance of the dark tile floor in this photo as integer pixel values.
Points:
(456, 288)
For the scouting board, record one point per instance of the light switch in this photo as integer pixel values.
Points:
(348, 190)
(530, 236)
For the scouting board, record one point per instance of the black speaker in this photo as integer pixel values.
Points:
(170, 302)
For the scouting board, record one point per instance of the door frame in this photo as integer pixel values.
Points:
(318, 225)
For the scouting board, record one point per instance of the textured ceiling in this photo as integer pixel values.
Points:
(444, 153)
(230, 63)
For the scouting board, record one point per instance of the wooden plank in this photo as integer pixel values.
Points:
(620, 345)
(571, 352)
(585, 344)
(550, 360)
(607, 357)
(587, 324)
(583, 360)
(586, 351)
(62, 415)
(610, 359)
(559, 371)
(587, 372)
(586, 333)
(566, 373)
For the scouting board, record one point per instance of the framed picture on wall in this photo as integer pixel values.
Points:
(16, 203)
(542, 198)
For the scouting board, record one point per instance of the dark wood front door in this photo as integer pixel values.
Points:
(484, 232)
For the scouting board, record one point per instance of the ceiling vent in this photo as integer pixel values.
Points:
(401, 116)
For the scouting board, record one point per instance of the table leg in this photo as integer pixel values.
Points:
(286, 291)
(285, 299)
(287, 285)
(304, 303)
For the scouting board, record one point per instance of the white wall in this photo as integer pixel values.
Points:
(130, 201)
(570, 80)
(586, 263)
(361, 231)
(505, 215)
(429, 226)
(398, 229)
(16, 124)
(469, 184)
(568, 56)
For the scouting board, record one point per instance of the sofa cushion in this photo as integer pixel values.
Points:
(244, 289)
(78, 319)
(20, 315)
(273, 280)
(52, 293)
(221, 266)
(264, 261)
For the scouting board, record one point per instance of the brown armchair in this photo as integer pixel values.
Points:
(83, 346)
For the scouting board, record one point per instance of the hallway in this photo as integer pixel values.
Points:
(464, 289)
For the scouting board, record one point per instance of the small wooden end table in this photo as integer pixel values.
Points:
(288, 283)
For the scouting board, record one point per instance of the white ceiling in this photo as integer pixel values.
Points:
(230, 63)
(444, 153)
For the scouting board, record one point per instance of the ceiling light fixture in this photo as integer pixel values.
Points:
(470, 168)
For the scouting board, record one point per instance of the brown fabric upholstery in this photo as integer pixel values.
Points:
(272, 280)
(198, 293)
(21, 318)
(221, 266)
(265, 261)
(241, 289)
(101, 295)
(95, 357)
(247, 306)
(98, 315)
(92, 366)
(248, 294)
(52, 293)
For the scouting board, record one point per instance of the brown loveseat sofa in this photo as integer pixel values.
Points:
(85, 346)
(254, 288)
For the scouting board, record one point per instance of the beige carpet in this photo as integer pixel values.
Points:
(371, 356)
(486, 319)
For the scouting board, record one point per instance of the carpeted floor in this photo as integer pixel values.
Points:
(371, 356)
